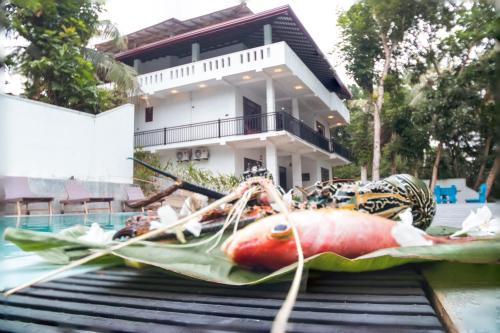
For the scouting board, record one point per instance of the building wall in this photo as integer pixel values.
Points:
(221, 159)
(324, 164)
(309, 166)
(285, 161)
(201, 105)
(241, 93)
(257, 154)
(225, 159)
(44, 141)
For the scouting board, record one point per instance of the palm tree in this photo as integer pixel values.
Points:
(107, 69)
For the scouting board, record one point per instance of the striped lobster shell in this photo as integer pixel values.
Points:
(390, 196)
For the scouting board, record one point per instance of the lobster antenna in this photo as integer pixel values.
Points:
(183, 184)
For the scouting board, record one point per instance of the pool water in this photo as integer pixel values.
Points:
(55, 223)
(17, 266)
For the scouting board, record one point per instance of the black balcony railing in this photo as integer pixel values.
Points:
(279, 121)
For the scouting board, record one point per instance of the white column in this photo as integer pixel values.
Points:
(268, 34)
(272, 161)
(270, 104)
(195, 52)
(137, 65)
(296, 170)
(295, 108)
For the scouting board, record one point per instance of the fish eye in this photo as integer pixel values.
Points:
(281, 231)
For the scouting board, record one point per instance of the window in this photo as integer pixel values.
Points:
(306, 177)
(320, 128)
(248, 163)
(149, 114)
(325, 174)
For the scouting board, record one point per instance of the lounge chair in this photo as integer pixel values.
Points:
(134, 196)
(482, 195)
(17, 191)
(79, 195)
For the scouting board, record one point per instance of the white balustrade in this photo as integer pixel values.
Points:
(213, 68)
(255, 59)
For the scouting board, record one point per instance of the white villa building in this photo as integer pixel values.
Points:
(232, 89)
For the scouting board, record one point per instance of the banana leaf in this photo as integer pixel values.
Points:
(195, 262)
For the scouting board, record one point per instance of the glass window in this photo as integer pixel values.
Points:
(325, 174)
(248, 163)
(149, 114)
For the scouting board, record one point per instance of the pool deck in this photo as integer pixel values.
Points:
(467, 297)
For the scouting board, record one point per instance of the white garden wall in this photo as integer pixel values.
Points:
(463, 192)
(40, 140)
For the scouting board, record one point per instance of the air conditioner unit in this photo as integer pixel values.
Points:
(179, 155)
(183, 155)
(201, 154)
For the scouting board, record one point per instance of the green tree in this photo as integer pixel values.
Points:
(372, 34)
(453, 96)
(144, 177)
(404, 139)
(58, 66)
(356, 136)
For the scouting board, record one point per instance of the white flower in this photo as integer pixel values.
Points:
(168, 216)
(406, 234)
(406, 217)
(479, 223)
(194, 227)
(97, 235)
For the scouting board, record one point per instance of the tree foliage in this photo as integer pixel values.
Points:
(438, 93)
(373, 33)
(58, 66)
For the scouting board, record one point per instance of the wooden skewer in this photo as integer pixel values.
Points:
(281, 319)
(152, 233)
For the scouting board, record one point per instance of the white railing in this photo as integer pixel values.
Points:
(214, 68)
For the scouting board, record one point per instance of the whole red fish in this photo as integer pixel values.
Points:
(269, 242)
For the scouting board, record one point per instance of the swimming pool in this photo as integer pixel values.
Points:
(17, 266)
(55, 223)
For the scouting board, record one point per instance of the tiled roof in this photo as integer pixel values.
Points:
(245, 29)
(173, 27)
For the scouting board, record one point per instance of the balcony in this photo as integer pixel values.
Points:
(260, 62)
(264, 123)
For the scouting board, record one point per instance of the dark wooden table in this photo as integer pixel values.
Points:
(127, 300)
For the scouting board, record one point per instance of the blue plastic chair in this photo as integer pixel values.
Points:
(482, 195)
(446, 194)
(437, 194)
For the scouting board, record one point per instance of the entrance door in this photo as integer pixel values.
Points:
(252, 119)
(282, 171)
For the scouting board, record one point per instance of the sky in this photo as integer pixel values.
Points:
(318, 16)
